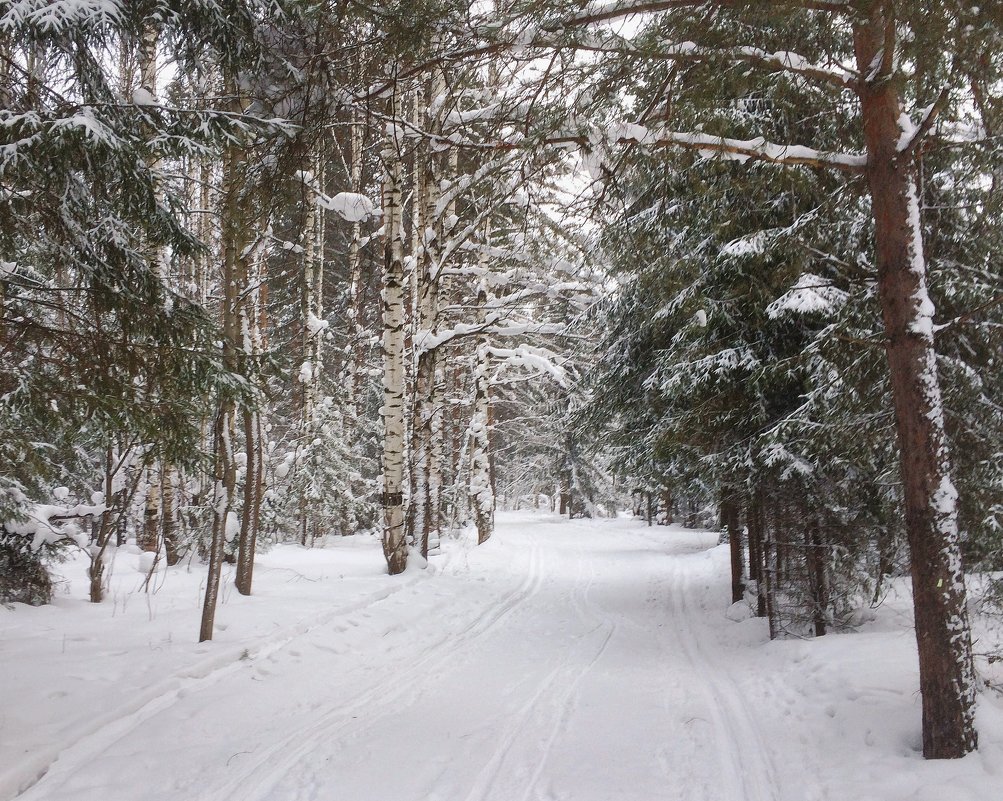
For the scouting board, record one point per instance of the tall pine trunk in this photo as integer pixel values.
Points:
(947, 681)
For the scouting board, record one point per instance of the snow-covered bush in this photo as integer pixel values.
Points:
(24, 575)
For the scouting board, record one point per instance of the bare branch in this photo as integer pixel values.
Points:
(929, 118)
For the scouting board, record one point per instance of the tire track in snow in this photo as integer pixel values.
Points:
(378, 702)
(752, 773)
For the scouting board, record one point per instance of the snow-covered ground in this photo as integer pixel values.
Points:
(577, 661)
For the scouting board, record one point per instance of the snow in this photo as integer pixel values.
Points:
(47, 524)
(426, 340)
(538, 360)
(351, 206)
(908, 131)
(93, 128)
(809, 295)
(751, 245)
(585, 660)
(759, 148)
(315, 325)
(922, 322)
(57, 15)
(141, 96)
(231, 527)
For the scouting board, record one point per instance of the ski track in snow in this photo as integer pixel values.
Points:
(562, 684)
(382, 700)
(116, 726)
(751, 770)
(522, 741)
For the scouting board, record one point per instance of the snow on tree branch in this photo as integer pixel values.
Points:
(540, 360)
(758, 149)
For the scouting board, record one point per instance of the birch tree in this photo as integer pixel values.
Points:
(393, 409)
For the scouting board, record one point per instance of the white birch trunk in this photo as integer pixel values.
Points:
(150, 538)
(426, 429)
(307, 374)
(393, 410)
(480, 489)
(358, 333)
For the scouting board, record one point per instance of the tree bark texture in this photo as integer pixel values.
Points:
(169, 524)
(481, 491)
(425, 473)
(250, 509)
(730, 518)
(393, 408)
(943, 634)
(356, 361)
(817, 576)
(150, 536)
(221, 499)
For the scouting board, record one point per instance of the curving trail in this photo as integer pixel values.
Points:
(560, 662)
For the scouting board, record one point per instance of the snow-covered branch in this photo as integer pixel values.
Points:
(427, 340)
(758, 149)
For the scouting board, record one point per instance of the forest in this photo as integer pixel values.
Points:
(285, 271)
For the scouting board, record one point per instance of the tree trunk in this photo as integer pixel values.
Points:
(311, 338)
(221, 505)
(356, 360)
(235, 321)
(768, 568)
(392, 411)
(481, 491)
(248, 539)
(817, 577)
(95, 571)
(947, 681)
(423, 520)
(754, 524)
(150, 539)
(169, 519)
(730, 519)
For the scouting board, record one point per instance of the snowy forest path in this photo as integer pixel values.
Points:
(562, 661)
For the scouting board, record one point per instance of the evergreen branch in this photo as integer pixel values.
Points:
(542, 38)
(970, 314)
(758, 149)
(783, 61)
(609, 12)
